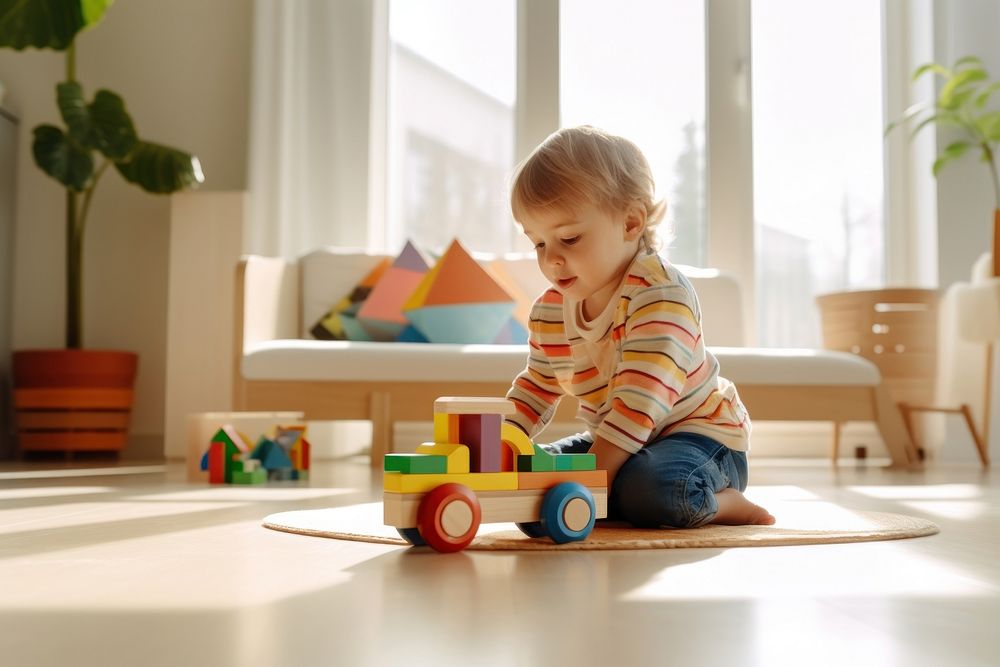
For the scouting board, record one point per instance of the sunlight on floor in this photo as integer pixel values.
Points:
(76, 515)
(891, 571)
(920, 492)
(52, 491)
(779, 492)
(159, 568)
(962, 510)
(82, 472)
(784, 629)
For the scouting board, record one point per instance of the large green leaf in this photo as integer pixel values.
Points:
(61, 159)
(909, 115)
(940, 70)
(47, 24)
(943, 118)
(160, 169)
(948, 91)
(73, 109)
(104, 124)
(975, 61)
(114, 132)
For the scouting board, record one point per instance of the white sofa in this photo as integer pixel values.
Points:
(278, 366)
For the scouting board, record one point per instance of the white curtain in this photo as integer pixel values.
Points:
(309, 126)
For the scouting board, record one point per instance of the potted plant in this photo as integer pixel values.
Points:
(962, 103)
(72, 398)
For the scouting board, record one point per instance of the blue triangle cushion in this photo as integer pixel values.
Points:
(468, 323)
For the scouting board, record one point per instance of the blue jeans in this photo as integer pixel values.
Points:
(669, 482)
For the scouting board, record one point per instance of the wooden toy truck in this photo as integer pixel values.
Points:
(481, 470)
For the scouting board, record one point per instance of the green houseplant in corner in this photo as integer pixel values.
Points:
(963, 104)
(76, 399)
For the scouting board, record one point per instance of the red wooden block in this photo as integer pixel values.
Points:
(217, 463)
(481, 434)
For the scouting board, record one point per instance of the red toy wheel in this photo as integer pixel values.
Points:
(448, 517)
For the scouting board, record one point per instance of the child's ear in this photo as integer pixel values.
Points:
(635, 221)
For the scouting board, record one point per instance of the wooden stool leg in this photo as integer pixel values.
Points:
(984, 455)
(907, 414)
(835, 445)
(893, 430)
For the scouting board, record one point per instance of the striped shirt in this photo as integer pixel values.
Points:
(640, 370)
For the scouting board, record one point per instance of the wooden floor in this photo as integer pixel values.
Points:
(131, 566)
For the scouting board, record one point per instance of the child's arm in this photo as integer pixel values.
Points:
(536, 390)
(609, 457)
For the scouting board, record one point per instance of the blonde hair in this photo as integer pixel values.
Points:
(580, 165)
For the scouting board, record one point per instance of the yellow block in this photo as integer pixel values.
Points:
(445, 427)
(477, 481)
(458, 455)
(517, 439)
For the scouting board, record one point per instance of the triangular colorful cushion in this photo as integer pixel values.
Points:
(340, 322)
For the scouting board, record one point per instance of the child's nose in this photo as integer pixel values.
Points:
(553, 258)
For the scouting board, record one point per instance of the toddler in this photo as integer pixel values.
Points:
(620, 329)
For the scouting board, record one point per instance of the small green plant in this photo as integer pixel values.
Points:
(962, 103)
(97, 134)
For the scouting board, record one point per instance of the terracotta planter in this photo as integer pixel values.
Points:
(73, 400)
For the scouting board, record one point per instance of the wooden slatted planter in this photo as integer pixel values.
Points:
(73, 400)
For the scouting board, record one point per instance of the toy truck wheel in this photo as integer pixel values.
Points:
(568, 512)
(411, 535)
(448, 517)
(532, 528)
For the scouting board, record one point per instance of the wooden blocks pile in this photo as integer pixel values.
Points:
(230, 460)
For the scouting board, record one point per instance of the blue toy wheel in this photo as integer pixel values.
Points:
(412, 535)
(532, 528)
(568, 512)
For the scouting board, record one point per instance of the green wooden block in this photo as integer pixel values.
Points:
(542, 461)
(564, 462)
(584, 461)
(258, 476)
(416, 463)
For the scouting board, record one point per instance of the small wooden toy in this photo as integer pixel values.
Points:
(439, 495)
(230, 460)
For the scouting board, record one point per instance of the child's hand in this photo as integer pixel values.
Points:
(609, 457)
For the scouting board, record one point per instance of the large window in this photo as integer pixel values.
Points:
(452, 82)
(638, 69)
(817, 159)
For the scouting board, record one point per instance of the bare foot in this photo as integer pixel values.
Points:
(736, 510)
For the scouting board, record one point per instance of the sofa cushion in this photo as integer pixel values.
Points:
(310, 360)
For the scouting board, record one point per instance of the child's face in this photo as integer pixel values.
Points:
(584, 253)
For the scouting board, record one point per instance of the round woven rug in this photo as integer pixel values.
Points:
(797, 523)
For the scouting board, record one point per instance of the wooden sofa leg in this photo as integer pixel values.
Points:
(378, 413)
(835, 445)
(893, 430)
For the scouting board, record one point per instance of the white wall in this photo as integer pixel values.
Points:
(183, 69)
